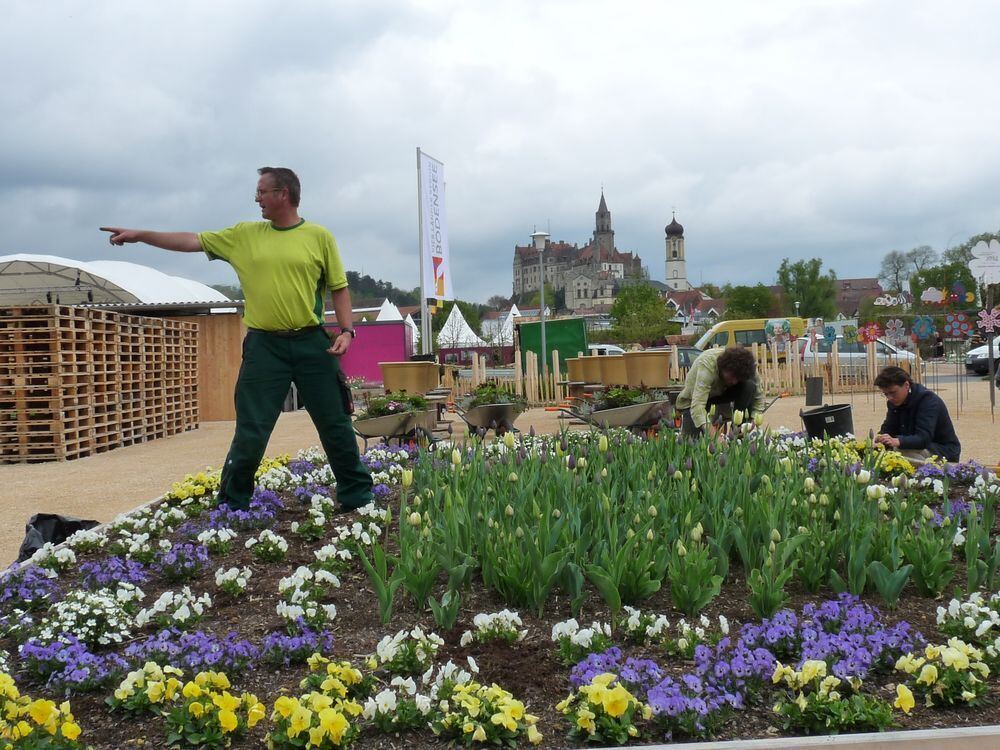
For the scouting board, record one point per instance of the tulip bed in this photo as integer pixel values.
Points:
(584, 588)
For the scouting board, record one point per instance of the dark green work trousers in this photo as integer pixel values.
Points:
(270, 364)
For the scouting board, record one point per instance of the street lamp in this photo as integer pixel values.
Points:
(796, 308)
(539, 239)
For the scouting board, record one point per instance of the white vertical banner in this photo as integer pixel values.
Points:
(436, 260)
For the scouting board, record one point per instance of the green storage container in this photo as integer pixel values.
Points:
(568, 336)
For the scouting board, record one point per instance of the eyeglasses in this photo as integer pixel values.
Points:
(259, 193)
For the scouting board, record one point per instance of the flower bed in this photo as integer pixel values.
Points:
(569, 590)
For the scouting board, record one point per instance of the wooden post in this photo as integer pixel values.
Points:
(518, 374)
(557, 394)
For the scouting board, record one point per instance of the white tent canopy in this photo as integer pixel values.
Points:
(388, 311)
(414, 331)
(457, 334)
(500, 331)
(27, 279)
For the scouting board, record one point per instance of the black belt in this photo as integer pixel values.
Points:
(289, 332)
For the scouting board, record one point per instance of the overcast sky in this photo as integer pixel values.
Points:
(835, 129)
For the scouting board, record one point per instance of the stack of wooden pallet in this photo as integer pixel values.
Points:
(77, 381)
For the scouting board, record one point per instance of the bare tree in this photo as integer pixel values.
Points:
(894, 271)
(922, 257)
(498, 302)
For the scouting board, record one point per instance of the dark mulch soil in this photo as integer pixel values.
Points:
(530, 669)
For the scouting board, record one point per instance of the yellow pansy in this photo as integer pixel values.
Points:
(316, 736)
(333, 723)
(21, 729)
(904, 699)
(812, 669)
(196, 709)
(534, 736)
(70, 730)
(480, 734)
(226, 701)
(615, 701)
(42, 710)
(284, 706)
(227, 720)
(300, 720)
(255, 713)
(928, 675)
(192, 690)
(154, 691)
(585, 720)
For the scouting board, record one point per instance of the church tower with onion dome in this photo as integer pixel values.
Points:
(676, 277)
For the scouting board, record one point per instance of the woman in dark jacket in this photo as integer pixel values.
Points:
(917, 422)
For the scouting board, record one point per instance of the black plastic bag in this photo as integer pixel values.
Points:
(49, 527)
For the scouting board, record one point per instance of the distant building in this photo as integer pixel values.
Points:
(852, 292)
(590, 275)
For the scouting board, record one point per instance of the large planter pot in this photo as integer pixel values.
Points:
(591, 369)
(574, 367)
(649, 369)
(412, 377)
(613, 370)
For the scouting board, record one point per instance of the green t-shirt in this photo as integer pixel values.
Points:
(284, 272)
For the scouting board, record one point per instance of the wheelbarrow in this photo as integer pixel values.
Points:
(403, 426)
(497, 417)
(634, 416)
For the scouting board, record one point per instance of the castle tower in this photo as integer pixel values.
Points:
(676, 272)
(604, 235)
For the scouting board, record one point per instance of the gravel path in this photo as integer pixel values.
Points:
(102, 486)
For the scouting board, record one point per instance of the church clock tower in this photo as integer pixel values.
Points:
(676, 272)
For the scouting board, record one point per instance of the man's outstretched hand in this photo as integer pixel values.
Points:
(119, 235)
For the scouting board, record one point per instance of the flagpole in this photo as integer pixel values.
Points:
(425, 318)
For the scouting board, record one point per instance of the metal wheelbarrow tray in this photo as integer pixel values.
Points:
(388, 426)
(489, 416)
(636, 415)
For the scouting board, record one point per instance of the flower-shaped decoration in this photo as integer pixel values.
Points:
(777, 328)
(870, 333)
(850, 334)
(829, 335)
(985, 263)
(923, 327)
(989, 320)
(957, 325)
(894, 329)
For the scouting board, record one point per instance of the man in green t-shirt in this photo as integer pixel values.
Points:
(285, 265)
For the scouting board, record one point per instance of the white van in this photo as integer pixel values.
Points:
(602, 349)
(853, 354)
(978, 359)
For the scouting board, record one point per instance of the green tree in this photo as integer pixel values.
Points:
(747, 301)
(805, 283)
(711, 290)
(639, 315)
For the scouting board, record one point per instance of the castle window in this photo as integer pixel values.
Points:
(675, 254)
